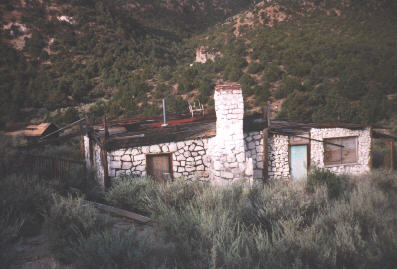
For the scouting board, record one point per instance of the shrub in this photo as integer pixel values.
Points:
(24, 199)
(10, 158)
(131, 193)
(165, 73)
(70, 220)
(120, 250)
(10, 228)
(254, 68)
(288, 85)
(24, 202)
(262, 94)
(276, 225)
(272, 73)
(335, 184)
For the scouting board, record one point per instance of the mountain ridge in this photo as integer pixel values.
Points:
(128, 60)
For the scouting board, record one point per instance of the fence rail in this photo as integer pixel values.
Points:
(55, 167)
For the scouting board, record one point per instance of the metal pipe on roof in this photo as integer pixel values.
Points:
(164, 114)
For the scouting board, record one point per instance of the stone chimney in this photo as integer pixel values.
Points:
(227, 148)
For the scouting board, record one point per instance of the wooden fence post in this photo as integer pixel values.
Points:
(266, 117)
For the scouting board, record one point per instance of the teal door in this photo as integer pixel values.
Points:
(298, 162)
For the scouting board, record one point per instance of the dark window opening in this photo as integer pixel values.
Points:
(334, 155)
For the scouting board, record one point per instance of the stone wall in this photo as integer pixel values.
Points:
(253, 144)
(98, 164)
(278, 157)
(227, 151)
(363, 164)
(189, 158)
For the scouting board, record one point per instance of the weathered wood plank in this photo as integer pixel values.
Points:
(121, 212)
(392, 154)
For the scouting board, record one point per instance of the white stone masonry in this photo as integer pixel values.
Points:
(227, 148)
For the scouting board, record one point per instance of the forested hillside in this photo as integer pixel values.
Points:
(323, 60)
(79, 51)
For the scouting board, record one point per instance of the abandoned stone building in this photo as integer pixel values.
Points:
(225, 147)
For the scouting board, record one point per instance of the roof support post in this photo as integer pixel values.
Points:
(266, 117)
(392, 154)
(104, 152)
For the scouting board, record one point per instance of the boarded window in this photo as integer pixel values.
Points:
(159, 166)
(334, 154)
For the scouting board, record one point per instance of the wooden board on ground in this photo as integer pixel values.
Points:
(121, 212)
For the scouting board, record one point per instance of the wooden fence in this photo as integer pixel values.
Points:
(54, 167)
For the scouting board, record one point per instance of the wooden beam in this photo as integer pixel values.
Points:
(268, 114)
(61, 129)
(104, 152)
(121, 212)
(308, 138)
(266, 118)
(392, 154)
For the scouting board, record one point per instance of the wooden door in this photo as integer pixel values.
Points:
(298, 162)
(159, 167)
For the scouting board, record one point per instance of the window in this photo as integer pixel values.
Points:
(159, 166)
(334, 155)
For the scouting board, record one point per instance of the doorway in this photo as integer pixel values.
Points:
(298, 162)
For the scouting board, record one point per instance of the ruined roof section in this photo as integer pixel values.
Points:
(256, 123)
(149, 131)
(32, 130)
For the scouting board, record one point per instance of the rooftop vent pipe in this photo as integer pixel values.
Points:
(164, 115)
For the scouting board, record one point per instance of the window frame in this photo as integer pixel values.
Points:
(341, 163)
(171, 165)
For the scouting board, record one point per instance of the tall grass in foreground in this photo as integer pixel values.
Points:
(70, 220)
(332, 222)
(24, 202)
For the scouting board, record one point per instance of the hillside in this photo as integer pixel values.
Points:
(314, 60)
(63, 53)
(318, 61)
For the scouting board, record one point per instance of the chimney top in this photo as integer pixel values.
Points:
(228, 86)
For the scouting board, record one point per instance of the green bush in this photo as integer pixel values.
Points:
(131, 193)
(262, 94)
(335, 184)
(10, 228)
(288, 85)
(254, 68)
(328, 222)
(68, 221)
(272, 73)
(10, 159)
(25, 199)
(129, 249)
